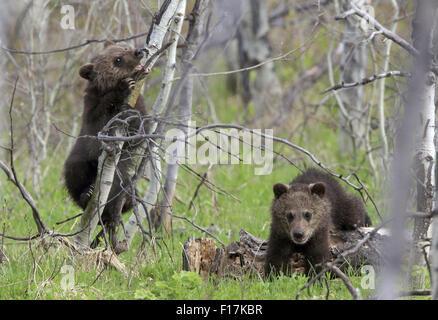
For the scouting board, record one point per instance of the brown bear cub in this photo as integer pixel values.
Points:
(302, 214)
(111, 76)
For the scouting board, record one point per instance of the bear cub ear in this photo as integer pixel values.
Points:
(279, 189)
(317, 188)
(86, 71)
(108, 43)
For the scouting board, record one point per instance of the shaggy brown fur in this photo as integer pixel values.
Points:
(110, 78)
(302, 214)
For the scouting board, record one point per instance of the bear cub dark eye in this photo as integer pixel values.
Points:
(307, 215)
(289, 216)
(117, 61)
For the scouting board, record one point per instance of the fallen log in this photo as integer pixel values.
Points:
(247, 256)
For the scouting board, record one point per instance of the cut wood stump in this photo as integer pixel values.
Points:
(247, 256)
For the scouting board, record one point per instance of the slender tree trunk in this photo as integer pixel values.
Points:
(105, 175)
(352, 127)
(195, 33)
(170, 11)
(419, 119)
(381, 102)
(184, 116)
(434, 253)
(424, 27)
(434, 223)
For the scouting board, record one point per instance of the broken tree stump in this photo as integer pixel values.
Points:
(247, 256)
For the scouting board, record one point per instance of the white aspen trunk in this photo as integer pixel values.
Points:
(169, 71)
(166, 204)
(175, 10)
(159, 29)
(415, 135)
(104, 180)
(434, 255)
(424, 27)
(425, 154)
(184, 109)
(381, 102)
(150, 199)
(354, 62)
(184, 116)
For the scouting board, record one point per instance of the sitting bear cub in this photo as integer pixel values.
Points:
(302, 214)
(111, 76)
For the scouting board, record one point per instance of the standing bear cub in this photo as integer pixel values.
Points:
(111, 76)
(302, 214)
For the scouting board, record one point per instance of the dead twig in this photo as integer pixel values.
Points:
(199, 228)
(77, 46)
(42, 229)
(365, 81)
(355, 293)
(387, 33)
(198, 187)
(69, 219)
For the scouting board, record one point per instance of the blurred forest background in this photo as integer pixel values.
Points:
(263, 65)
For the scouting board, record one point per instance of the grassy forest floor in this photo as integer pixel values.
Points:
(34, 273)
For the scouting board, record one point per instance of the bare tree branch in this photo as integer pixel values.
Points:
(366, 80)
(387, 33)
(13, 177)
(85, 43)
